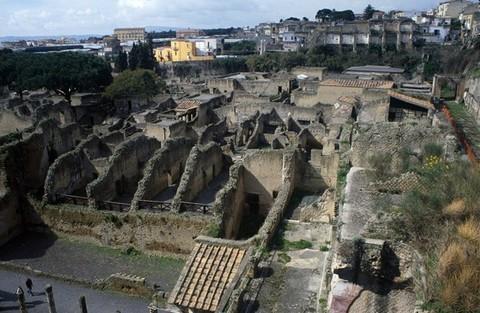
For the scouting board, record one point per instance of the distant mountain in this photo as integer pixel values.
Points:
(17, 38)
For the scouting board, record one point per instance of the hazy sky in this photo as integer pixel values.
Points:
(62, 17)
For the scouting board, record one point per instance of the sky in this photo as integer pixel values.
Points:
(77, 17)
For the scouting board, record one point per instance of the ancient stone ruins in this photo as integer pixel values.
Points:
(216, 172)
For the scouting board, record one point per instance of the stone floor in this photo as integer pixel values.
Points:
(297, 276)
(86, 261)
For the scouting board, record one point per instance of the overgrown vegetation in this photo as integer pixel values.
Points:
(214, 230)
(139, 83)
(441, 219)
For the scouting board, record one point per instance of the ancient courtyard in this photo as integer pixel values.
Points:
(193, 181)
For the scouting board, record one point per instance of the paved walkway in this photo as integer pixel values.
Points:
(87, 261)
(66, 297)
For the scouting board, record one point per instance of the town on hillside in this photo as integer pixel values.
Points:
(305, 165)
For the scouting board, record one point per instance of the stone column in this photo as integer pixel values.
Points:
(21, 300)
(50, 300)
(83, 304)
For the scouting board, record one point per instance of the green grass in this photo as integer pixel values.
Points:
(284, 258)
(295, 245)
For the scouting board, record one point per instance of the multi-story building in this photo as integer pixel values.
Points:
(129, 34)
(452, 8)
(180, 50)
(397, 33)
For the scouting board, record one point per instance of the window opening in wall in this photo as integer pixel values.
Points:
(275, 194)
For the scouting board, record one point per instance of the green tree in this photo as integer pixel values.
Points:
(141, 56)
(121, 63)
(67, 73)
(63, 73)
(140, 82)
(324, 14)
(368, 12)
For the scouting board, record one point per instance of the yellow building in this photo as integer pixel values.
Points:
(180, 51)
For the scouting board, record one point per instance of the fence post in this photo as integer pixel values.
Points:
(50, 300)
(21, 300)
(83, 304)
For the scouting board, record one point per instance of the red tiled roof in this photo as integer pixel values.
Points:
(187, 104)
(206, 275)
(358, 83)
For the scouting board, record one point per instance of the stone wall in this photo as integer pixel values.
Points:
(69, 174)
(472, 97)
(330, 95)
(202, 166)
(34, 154)
(10, 218)
(229, 202)
(157, 233)
(222, 85)
(314, 72)
(263, 175)
(125, 170)
(235, 113)
(390, 138)
(164, 131)
(164, 168)
(72, 171)
(10, 122)
(213, 132)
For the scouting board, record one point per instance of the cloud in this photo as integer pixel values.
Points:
(62, 17)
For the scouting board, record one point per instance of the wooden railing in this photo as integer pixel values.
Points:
(71, 199)
(113, 206)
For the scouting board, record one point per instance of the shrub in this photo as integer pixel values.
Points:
(381, 163)
(432, 149)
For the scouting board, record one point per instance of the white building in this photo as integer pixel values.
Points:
(452, 8)
(207, 46)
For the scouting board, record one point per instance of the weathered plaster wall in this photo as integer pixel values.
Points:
(165, 167)
(263, 175)
(126, 165)
(203, 165)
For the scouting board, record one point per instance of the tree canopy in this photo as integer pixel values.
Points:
(140, 83)
(141, 56)
(368, 12)
(63, 73)
(121, 62)
(332, 15)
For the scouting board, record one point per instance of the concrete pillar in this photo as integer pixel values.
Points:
(340, 41)
(21, 300)
(50, 300)
(83, 304)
